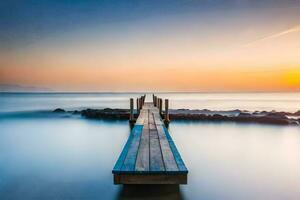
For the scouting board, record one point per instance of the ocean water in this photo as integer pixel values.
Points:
(57, 157)
(290, 102)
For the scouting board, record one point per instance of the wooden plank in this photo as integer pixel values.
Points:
(124, 152)
(141, 118)
(156, 160)
(151, 121)
(129, 162)
(150, 179)
(157, 118)
(142, 161)
(181, 166)
(167, 154)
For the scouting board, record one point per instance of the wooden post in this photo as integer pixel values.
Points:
(153, 98)
(167, 119)
(131, 117)
(143, 100)
(137, 106)
(141, 103)
(160, 106)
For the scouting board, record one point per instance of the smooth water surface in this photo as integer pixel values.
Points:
(239, 161)
(61, 157)
(289, 102)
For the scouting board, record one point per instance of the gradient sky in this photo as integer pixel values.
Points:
(156, 45)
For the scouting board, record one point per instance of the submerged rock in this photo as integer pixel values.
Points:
(59, 110)
(75, 112)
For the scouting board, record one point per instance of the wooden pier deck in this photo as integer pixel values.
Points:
(150, 155)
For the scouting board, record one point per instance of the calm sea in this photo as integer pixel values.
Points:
(214, 101)
(43, 157)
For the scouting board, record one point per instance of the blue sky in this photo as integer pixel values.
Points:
(23, 21)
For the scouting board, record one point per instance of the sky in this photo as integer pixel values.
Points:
(157, 45)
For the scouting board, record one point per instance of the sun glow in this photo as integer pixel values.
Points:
(292, 78)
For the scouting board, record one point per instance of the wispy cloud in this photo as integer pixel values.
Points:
(275, 35)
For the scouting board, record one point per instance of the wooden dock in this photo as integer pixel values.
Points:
(150, 155)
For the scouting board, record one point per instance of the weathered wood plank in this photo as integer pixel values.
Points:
(142, 161)
(156, 160)
(124, 152)
(129, 162)
(167, 154)
(181, 166)
(157, 117)
(142, 117)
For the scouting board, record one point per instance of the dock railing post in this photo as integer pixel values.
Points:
(153, 98)
(160, 106)
(131, 117)
(137, 106)
(167, 119)
(143, 100)
(140, 103)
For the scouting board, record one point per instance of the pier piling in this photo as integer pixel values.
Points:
(167, 119)
(160, 106)
(131, 117)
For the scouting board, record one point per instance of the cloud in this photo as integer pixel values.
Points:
(275, 35)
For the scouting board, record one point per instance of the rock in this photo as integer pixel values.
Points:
(278, 118)
(106, 113)
(243, 114)
(297, 113)
(263, 113)
(295, 123)
(59, 110)
(272, 120)
(277, 115)
(76, 112)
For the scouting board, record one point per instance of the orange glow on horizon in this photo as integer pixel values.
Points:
(292, 78)
(123, 79)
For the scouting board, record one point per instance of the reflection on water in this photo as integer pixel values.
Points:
(72, 158)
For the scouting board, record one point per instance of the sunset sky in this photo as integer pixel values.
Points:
(139, 45)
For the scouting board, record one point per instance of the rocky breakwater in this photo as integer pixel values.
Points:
(262, 117)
